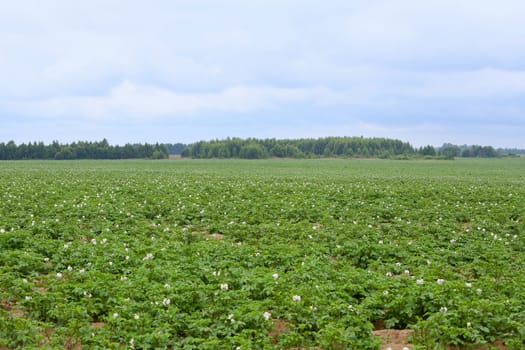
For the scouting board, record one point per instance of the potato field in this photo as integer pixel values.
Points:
(267, 254)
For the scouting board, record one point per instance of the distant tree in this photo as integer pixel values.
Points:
(449, 151)
(278, 151)
(157, 155)
(467, 152)
(11, 150)
(159, 152)
(301, 148)
(427, 151)
(177, 148)
(478, 151)
(242, 148)
(80, 150)
(292, 151)
(253, 151)
(65, 153)
(488, 152)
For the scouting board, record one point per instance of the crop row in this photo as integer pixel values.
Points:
(203, 257)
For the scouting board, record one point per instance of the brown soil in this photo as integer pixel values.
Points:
(379, 324)
(13, 309)
(279, 326)
(72, 344)
(465, 225)
(206, 234)
(396, 339)
(5, 304)
(47, 334)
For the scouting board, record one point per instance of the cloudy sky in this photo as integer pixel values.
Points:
(425, 72)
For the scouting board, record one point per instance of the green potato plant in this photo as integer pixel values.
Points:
(238, 254)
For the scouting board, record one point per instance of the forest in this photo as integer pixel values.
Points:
(250, 148)
(80, 150)
(349, 147)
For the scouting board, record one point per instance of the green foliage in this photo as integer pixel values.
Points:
(449, 151)
(357, 147)
(252, 151)
(427, 151)
(273, 254)
(80, 150)
(176, 148)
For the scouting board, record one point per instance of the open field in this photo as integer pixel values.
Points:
(284, 254)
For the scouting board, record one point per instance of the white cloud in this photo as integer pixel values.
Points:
(380, 61)
(483, 83)
(140, 102)
(382, 129)
(436, 33)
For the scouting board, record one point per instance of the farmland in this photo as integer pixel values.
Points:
(227, 254)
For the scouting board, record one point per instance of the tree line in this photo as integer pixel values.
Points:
(252, 148)
(470, 151)
(80, 150)
(349, 147)
(511, 151)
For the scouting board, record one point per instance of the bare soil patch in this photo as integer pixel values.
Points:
(206, 234)
(5, 304)
(279, 326)
(214, 236)
(396, 339)
(12, 309)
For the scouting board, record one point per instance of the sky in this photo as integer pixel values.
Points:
(425, 72)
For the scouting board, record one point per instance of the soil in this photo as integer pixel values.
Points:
(279, 326)
(395, 339)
